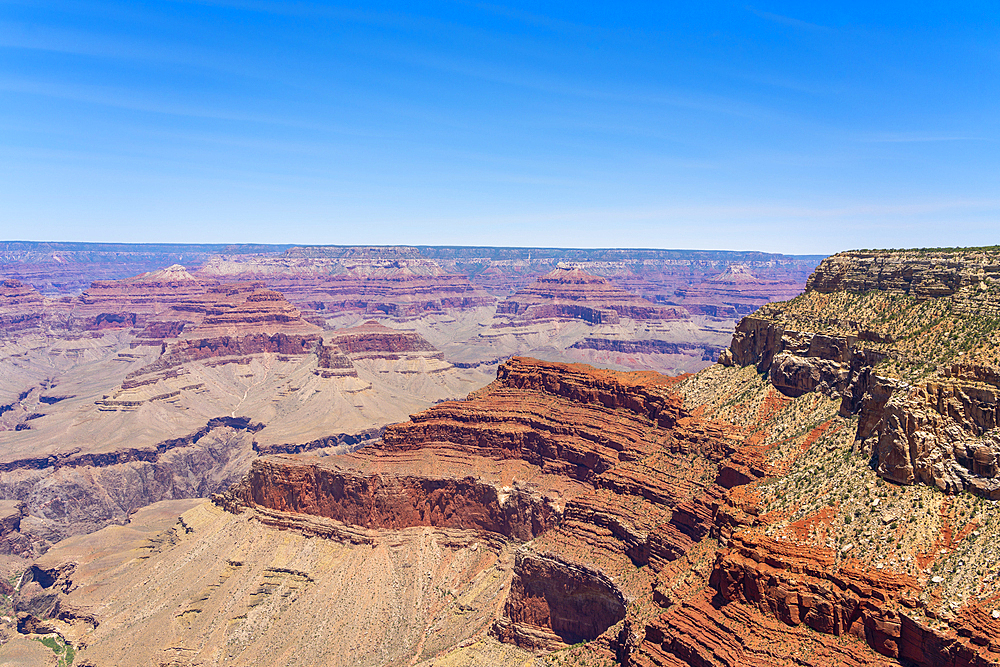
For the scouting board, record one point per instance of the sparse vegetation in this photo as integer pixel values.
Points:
(65, 652)
(920, 338)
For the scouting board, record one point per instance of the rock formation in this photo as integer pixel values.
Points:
(430, 278)
(732, 293)
(571, 315)
(446, 294)
(393, 282)
(644, 530)
(372, 338)
(557, 596)
(707, 352)
(66, 269)
(658, 521)
(919, 273)
(17, 295)
(170, 385)
(796, 504)
(21, 306)
(150, 292)
(914, 354)
(570, 293)
(544, 447)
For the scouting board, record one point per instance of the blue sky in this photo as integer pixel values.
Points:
(785, 127)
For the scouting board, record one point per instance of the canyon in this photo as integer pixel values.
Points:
(824, 494)
(449, 295)
(169, 385)
(171, 381)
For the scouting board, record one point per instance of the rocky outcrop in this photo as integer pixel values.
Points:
(801, 585)
(163, 304)
(755, 342)
(734, 292)
(799, 362)
(342, 441)
(332, 362)
(15, 294)
(244, 308)
(157, 332)
(391, 501)
(939, 431)
(763, 593)
(400, 294)
(570, 293)
(370, 340)
(921, 273)
(21, 306)
(70, 495)
(231, 321)
(941, 434)
(702, 632)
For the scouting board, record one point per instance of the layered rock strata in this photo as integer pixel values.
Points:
(66, 269)
(546, 447)
(735, 292)
(921, 273)
(652, 532)
(372, 338)
(610, 478)
(930, 416)
(21, 306)
(571, 293)
(245, 308)
(707, 352)
(393, 282)
(136, 389)
(15, 294)
(800, 585)
(150, 292)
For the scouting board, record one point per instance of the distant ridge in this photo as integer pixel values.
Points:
(68, 268)
(426, 251)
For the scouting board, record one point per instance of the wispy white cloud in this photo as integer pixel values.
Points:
(92, 44)
(130, 100)
(315, 10)
(917, 137)
(123, 99)
(553, 84)
(530, 18)
(789, 21)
